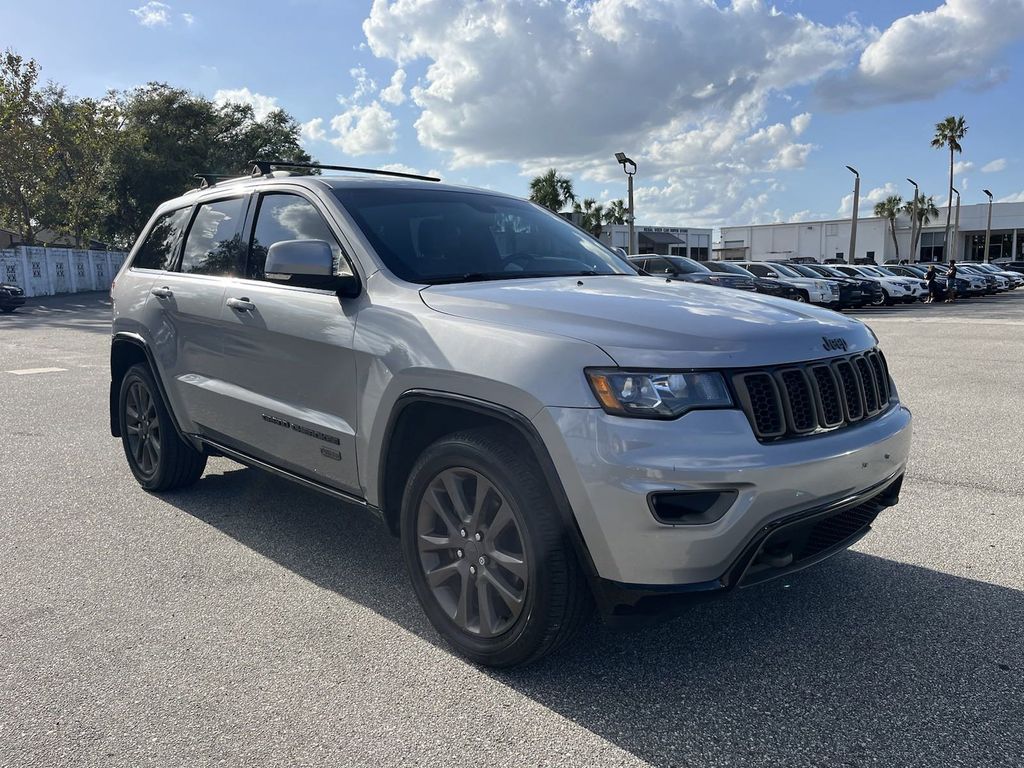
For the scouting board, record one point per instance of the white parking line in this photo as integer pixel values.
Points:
(29, 371)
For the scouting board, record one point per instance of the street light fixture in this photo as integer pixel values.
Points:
(626, 164)
(913, 222)
(988, 227)
(856, 205)
(956, 228)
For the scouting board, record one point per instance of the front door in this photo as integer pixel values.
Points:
(289, 358)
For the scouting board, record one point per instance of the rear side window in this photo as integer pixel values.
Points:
(160, 246)
(214, 242)
(283, 216)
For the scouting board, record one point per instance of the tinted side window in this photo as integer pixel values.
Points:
(758, 270)
(282, 216)
(214, 243)
(160, 246)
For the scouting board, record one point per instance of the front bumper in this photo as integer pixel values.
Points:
(608, 466)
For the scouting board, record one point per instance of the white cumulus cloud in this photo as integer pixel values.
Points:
(153, 14)
(867, 202)
(261, 105)
(395, 91)
(313, 130)
(925, 53)
(363, 130)
(996, 165)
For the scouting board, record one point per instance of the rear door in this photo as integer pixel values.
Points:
(185, 305)
(291, 396)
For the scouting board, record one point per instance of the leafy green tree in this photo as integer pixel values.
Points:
(168, 134)
(592, 215)
(79, 136)
(926, 211)
(948, 134)
(552, 191)
(889, 209)
(615, 212)
(23, 153)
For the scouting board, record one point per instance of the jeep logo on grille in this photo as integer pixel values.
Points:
(831, 344)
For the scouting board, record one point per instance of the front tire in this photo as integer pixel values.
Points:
(158, 457)
(487, 551)
(803, 297)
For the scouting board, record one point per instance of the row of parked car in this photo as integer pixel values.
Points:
(837, 286)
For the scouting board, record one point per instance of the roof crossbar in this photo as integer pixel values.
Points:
(263, 167)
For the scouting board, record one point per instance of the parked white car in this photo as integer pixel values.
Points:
(919, 287)
(893, 288)
(815, 291)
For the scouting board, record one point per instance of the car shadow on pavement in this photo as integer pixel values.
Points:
(858, 661)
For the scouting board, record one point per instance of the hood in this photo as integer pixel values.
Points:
(650, 322)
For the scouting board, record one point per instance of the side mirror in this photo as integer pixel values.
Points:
(773, 275)
(307, 264)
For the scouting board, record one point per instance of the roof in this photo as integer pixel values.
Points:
(661, 238)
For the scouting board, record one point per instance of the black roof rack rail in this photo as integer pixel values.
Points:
(263, 167)
(209, 179)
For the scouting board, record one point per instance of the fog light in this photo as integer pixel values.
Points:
(690, 507)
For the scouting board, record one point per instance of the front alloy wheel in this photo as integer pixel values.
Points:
(472, 552)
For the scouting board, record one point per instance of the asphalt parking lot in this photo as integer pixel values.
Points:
(250, 622)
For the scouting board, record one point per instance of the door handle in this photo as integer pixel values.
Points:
(242, 305)
(162, 293)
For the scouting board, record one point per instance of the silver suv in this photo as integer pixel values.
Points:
(542, 428)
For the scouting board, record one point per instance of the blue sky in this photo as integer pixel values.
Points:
(736, 112)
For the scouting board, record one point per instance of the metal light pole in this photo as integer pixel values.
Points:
(853, 224)
(913, 223)
(956, 228)
(626, 164)
(988, 227)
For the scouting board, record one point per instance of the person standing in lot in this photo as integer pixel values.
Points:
(930, 280)
(951, 282)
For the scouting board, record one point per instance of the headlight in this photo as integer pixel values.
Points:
(661, 395)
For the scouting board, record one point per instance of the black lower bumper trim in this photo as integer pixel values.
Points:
(779, 548)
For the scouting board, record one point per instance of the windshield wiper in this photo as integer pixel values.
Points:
(475, 277)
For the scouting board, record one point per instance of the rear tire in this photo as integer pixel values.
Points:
(487, 551)
(158, 457)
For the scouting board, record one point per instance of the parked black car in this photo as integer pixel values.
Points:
(870, 291)
(11, 297)
(850, 292)
(683, 268)
(768, 287)
(1013, 266)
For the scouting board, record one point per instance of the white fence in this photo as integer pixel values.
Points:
(48, 271)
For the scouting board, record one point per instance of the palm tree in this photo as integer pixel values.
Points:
(552, 191)
(615, 213)
(592, 216)
(949, 133)
(926, 211)
(889, 209)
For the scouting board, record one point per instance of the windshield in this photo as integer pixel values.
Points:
(782, 269)
(832, 272)
(444, 236)
(874, 271)
(721, 266)
(887, 271)
(806, 271)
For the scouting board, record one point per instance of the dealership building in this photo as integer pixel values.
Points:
(667, 241)
(824, 240)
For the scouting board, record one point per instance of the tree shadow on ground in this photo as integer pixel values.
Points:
(858, 661)
(77, 312)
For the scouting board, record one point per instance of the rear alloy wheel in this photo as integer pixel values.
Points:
(158, 457)
(487, 552)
